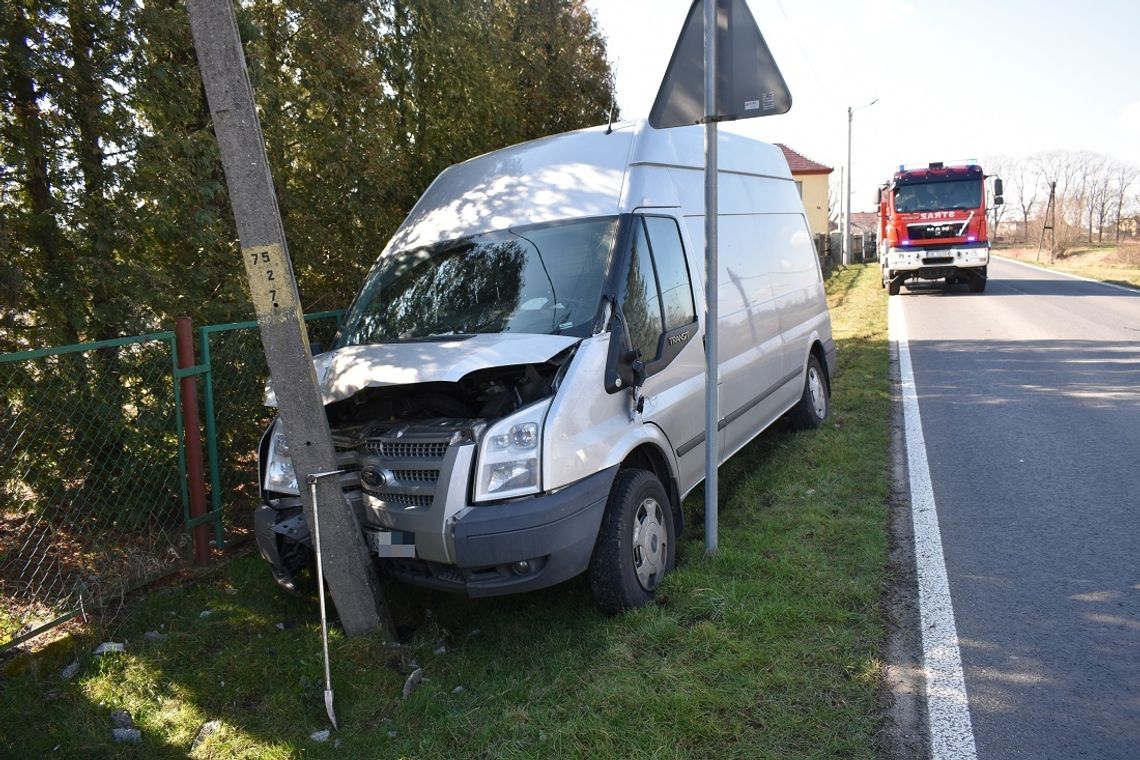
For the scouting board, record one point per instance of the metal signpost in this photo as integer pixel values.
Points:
(721, 70)
(351, 576)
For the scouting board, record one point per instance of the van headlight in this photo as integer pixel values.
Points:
(510, 455)
(279, 473)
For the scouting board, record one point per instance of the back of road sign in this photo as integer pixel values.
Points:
(749, 84)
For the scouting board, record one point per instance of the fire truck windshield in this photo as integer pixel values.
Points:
(938, 196)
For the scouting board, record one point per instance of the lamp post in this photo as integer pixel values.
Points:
(847, 214)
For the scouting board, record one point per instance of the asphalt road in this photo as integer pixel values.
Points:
(1030, 403)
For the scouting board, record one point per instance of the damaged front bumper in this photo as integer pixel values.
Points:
(485, 550)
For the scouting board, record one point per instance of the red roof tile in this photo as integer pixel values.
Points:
(801, 165)
(867, 220)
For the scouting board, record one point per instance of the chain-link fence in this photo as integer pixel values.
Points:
(93, 501)
(91, 492)
(235, 412)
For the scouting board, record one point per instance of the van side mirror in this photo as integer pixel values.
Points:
(637, 366)
(621, 358)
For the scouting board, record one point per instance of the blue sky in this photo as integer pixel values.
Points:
(954, 79)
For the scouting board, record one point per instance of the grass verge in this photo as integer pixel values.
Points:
(771, 648)
(1118, 265)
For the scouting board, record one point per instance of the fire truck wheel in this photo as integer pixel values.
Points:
(894, 286)
(978, 283)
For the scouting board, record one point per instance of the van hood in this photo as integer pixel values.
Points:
(346, 371)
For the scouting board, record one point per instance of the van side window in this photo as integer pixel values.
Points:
(672, 272)
(642, 304)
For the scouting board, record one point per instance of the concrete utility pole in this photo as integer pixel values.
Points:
(351, 576)
(847, 216)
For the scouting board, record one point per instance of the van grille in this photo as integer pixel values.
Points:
(400, 500)
(406, 450)
(402, 465)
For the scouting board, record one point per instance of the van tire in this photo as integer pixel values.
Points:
(636, 543)
(813, 406)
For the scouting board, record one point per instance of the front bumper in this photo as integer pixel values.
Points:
(934, 263)
(507, 548)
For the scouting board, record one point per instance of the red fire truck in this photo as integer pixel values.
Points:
(932, 225)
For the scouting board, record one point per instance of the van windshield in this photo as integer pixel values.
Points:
(543, 279)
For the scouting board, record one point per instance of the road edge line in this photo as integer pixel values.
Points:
(948, 707)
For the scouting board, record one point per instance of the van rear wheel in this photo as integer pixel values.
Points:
(813, 405)
(636, 543)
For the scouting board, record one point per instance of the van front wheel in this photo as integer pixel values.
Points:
(812, 408)
(636, 543)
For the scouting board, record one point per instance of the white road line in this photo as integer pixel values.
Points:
(951, 732)
(1125, 288)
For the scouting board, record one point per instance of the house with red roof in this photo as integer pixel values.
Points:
(812, 181)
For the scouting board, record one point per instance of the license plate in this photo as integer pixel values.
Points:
(393, 543)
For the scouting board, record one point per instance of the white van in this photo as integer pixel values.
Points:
(517, 393)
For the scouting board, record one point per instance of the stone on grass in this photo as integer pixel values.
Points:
(154, 636)
(71, 671)
(126, 735)
(122, 719)
(109, 646)
(320, 736)
(208, 728)
(414, 680)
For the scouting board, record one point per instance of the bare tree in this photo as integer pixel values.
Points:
(1102, 197)
(1124, 177)
(1023, 185)
(997, 166)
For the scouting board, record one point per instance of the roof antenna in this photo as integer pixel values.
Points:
(613, 105)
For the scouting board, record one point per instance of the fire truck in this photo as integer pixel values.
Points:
(932, 225)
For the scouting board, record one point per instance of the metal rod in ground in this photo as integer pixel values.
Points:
(192, 438)
(321, 593)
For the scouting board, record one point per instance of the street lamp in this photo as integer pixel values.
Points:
(847, 215)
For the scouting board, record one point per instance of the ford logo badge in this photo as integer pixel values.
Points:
(373, 477)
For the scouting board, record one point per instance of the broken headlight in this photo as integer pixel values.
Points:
(279, 473)
(510, 455)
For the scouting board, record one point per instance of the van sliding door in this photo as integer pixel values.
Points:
(751, 350)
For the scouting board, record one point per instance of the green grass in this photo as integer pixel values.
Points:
(1118, 265)
(769, 649)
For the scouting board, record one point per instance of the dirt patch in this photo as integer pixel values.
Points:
(903, 733)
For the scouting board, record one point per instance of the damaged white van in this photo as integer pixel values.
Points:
(517, 392)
